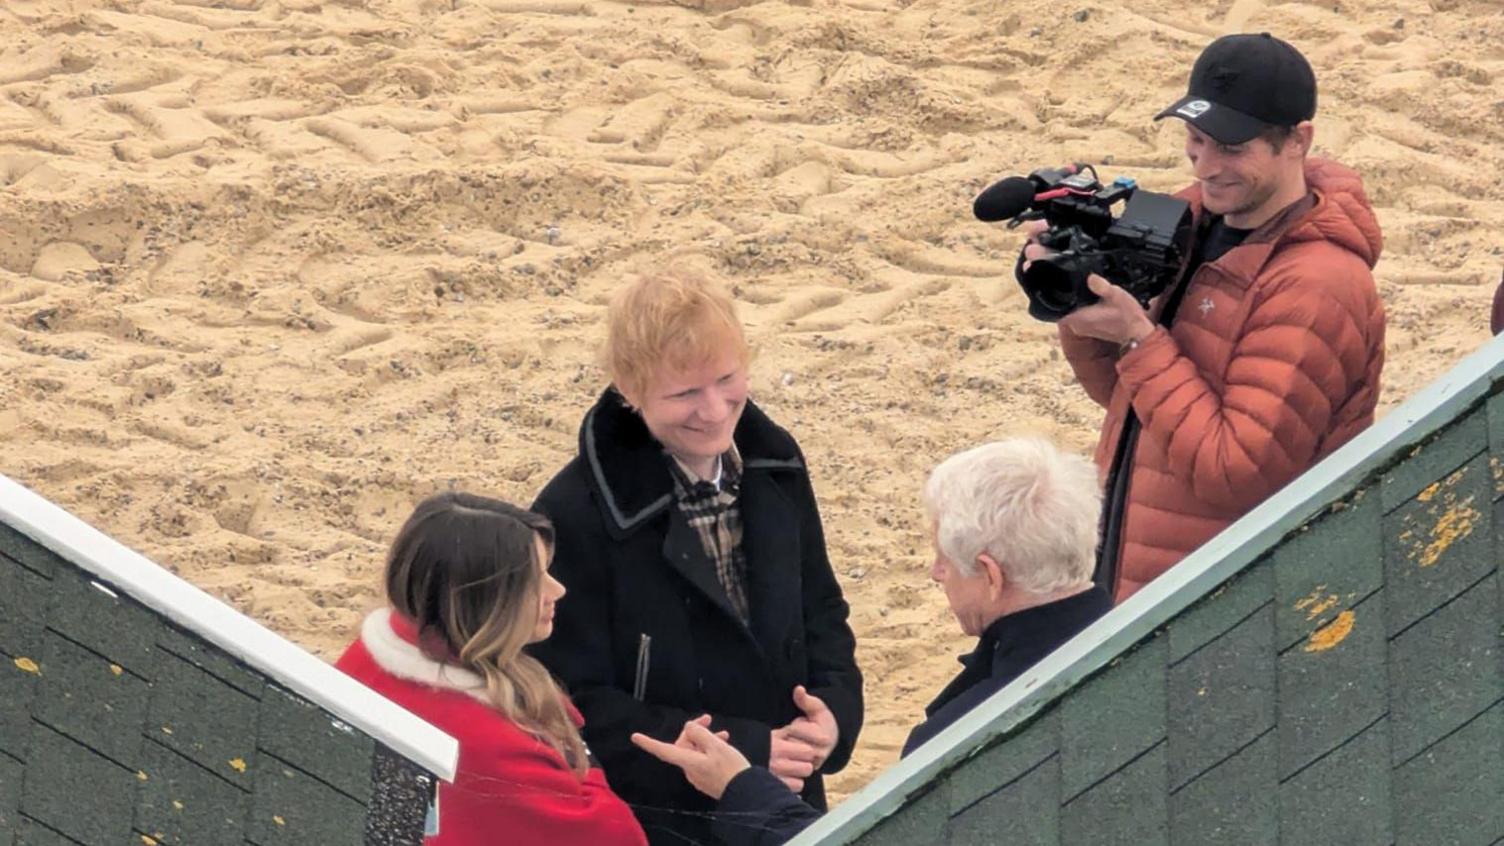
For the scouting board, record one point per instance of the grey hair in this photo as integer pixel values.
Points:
(1030, 506)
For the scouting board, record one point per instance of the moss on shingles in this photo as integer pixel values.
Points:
(308, 738)
(204, 719)
(291, 808)
(73, 789)
(179, 803)
(91, 700)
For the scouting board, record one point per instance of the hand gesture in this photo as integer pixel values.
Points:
(708, 761)
(801, 747)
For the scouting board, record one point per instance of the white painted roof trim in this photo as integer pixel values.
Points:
(269, 653)
(1218, 560)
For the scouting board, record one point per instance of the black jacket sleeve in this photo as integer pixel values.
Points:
(757, 810)
(833, 674)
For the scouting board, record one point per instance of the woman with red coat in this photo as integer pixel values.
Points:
(468, 583)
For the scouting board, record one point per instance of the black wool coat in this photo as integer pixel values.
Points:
(645, 637)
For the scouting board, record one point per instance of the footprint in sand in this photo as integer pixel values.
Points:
(59, 259)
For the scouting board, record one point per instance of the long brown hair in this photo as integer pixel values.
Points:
(465, 569)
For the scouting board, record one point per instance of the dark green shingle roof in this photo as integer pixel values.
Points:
(119, 727)
(1330, 670)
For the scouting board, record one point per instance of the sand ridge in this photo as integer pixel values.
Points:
(272, 270)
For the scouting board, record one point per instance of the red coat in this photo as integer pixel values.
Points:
(1272, 363)
(511, 789)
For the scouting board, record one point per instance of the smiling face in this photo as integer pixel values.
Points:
(1247, 183)
(693, 411)
(550, 591)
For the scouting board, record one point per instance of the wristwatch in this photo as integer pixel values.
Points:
(1132, 344)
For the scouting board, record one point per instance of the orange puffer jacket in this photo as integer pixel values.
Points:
(1272, 362)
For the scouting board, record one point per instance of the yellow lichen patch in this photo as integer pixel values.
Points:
(278, 820)
(1429, 493)
(1332, 634)
(117, 669)
(1454, 524)
(1316, 604)
(27, 665)
(237, 764)
(1497, 467)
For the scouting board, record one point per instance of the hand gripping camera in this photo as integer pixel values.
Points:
(1141, 251)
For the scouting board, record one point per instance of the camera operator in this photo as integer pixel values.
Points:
(1266, 355)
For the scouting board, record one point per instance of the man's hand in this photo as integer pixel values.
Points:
(1033, 250)
(791, 759)
(708, 761)
(801, 747)
(1116, 317)
(817, 727)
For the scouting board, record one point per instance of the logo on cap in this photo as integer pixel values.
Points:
(1193, 109)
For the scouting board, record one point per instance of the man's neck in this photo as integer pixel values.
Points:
(1016, 601)
(704, 469)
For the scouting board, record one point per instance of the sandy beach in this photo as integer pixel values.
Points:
(273, 270)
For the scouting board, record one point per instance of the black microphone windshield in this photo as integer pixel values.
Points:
(1004, 200)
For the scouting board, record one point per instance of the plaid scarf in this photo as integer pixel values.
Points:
(717, 518)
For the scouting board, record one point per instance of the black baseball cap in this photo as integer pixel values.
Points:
(1244, 83)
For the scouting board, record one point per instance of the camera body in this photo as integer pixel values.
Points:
(1140, 251)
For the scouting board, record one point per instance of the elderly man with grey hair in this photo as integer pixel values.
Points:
(1014, 527)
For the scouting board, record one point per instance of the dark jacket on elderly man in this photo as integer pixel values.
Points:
(757, 810)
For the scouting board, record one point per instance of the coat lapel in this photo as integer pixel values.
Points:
(684, 552)
(771, 542)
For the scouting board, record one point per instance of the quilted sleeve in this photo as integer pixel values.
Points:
(1093, 363)
(1302, 353)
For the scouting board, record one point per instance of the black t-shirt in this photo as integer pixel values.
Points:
(1213, 241)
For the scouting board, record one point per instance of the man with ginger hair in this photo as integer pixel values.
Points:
(692, 549)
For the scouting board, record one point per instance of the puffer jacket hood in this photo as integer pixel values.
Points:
(1343, 216)
(1339, 214)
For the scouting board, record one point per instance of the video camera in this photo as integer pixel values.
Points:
(1140, 251)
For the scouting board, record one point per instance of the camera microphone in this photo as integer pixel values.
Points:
(1015, 195)
(1004, 200)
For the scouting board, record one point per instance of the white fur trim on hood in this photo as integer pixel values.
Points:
(406, 661)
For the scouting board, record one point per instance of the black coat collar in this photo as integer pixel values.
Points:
(628, 470)
(1015, 642)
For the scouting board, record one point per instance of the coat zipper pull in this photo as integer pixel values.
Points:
(644, 658)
